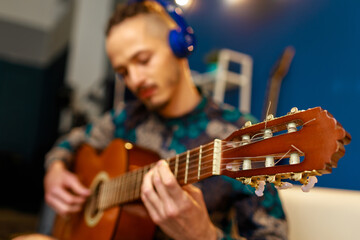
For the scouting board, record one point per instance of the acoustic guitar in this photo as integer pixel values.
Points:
(312, 141)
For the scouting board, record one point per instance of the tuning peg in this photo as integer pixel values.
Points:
(247, 162)
(269, 117)
(311, 183)
(269, 161)
(293, 110)
(251, 181)
(271, 178)
(248, 124)
(246, 181)
(294, 158)
(297, 176)
(291, 127)
(260, 189)
(268, 133)
(275, 179)
(284, 185)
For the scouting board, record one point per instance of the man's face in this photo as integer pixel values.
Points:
(145, 61)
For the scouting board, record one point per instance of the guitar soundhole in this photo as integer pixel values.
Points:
(93, 211)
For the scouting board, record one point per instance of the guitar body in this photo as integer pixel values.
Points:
(119, 222)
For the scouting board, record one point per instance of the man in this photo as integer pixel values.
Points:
(169, 117)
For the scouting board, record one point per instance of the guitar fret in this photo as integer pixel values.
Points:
(199, 166)
(187, 166)
(130, 189)
(139, 180)
(112, 195)
(121, 186)
(117, 188)
(121, 195)
(115, 191)
(136, 183)
(128, 186)
(123, 189)
(106, 195)
(143, 171)
(176, 165)
(216, 157)
(131, 185)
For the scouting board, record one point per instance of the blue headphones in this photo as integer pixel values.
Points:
(182, 40)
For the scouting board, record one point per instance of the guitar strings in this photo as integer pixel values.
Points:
(182, 158)
(258, 163)
(230, 144)
(267, 113)
(132, 188)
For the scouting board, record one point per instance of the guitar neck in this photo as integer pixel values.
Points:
(188, 167)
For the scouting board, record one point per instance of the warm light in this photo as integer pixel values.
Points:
(183, 3)
(231, 2)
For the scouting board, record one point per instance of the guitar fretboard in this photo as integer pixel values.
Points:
(188, 167)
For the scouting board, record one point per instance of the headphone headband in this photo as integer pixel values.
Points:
(182, 40)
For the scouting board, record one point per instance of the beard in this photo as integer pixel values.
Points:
(163, 97)
(156, 107)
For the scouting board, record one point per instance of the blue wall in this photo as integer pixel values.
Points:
(324, 71)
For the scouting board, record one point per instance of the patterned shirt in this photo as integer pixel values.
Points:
(233, 207)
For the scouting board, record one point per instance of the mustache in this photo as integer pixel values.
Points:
(139, 89)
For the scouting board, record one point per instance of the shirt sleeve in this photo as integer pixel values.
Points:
(98, 134)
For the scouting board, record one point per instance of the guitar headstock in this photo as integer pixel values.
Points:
(296, 146)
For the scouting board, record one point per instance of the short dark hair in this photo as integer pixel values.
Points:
(124, 11)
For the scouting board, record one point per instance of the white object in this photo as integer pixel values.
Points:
(294, 158)
(260, 189)
(246, 162)
(323, 213)
(225, 79)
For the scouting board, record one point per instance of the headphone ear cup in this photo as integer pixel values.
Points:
(180, 43)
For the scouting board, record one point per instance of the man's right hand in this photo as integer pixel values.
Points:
(63, 190)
